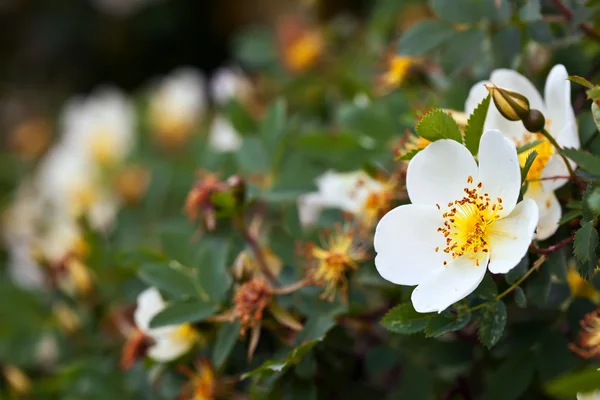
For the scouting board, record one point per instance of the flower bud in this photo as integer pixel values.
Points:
(512, 105)
(534, 121)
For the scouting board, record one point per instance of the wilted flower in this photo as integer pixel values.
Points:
(300, 46)
(339, 253)
(170, 341)
(353, 192)
(176, 106)
(250, 301)
(587, 344)
(464, 219)
(101, 127)
(246, 266)
(199, 204)
(548, 170)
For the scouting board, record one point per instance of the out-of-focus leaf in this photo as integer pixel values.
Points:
(520, 298)
(436, 125)
(491, 323)
(273, 126)
(404, 319)
(252, 156)
(581, 80)
(552, 356)
(596, 115)
(568, 385)
(171, 277)
(255, 48)
(184, 312)
(518, 369)
(586, 161)
(226, 339)
(465, 11)
(462, 50)
(424, 36)
(584, 248)
(531, 11)
(446, 322)
(506, 43)
(211, 274)
(474, 128)
(240, 118)
(569, 216)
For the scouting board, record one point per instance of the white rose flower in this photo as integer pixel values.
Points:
(223, 137)
(170, 341)
(589, 396)
(101, 127)
(177, 104)
(229, 83)
(560, 123)
(347, 191)
(464, 219)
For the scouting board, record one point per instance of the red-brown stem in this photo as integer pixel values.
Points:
(255, 246)
(568, 13)
(551, 249)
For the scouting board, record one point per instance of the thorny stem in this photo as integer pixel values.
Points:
(256, 249)
(559, 149)
(568, 13)
(535, 267)
(551, 249)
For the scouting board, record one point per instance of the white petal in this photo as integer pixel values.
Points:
(223, 137)
(550, 213)
(511, 237)
(405, 241)
(560, 112)
(476, 95)
(555, 167)
(438, 174)
(512, 80)
(149, 303)
(347, 191)
(167, 348)
(309, 207)
(448, 285)
(499, 170)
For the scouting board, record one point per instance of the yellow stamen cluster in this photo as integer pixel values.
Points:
(186, 333)
(338, 255)
(202, 384)
(588, 342)
(303, 52)
(398, 67)
(467, 223)
(377, 204)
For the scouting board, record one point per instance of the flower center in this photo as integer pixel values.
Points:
(103, 147)
(545, 150)
(186, 333)
(467, 223)
(398, 68)
(304, 51)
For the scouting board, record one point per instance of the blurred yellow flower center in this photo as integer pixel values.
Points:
(82, 198)
(103, 147)
(304, 51)
(416, 143)
(397, 70)
(186, 333)
(467, 223)
(204, 384)
(545, 150)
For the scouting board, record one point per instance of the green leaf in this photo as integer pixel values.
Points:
(593, 201)
(404, 319)
(520, 298)
(531, 11)
(596, 114)
(512, 378)
(474, 128)
(212, 275)
(239, 117)
(226, 339)
(594, 94)
(528, 163)
(446, 322)
(581, 80)
(271, 367)
(491, 323)
(584, 248)
(586, 161)
(273, 126)
(463, 50)
(569, 216)
(568, 385)
(463, 11)
(173, 278)
(552, 355)
(528, 146)
(424, 36)
(253, 157)
(408, 155)
(436, 125)
(181, 313)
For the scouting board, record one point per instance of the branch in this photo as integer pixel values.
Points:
(587, 28)
(552, 248)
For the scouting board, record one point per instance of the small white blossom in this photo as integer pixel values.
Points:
(170, 341)
(347, 191)
(223, 137)
(227, 84)
(464, 219)
(560, 123)
(589, 396)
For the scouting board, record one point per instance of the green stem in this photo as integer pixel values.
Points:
(535, 267)
(559, 149)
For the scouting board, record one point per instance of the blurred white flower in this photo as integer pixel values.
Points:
(23, 269)
(560, 123)
(464, 218)
(100, 127)
(170, 341)
(347, 191)
(73, 185)
(223, 137)
(177, 104)
(229, 83)
(589, 396)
